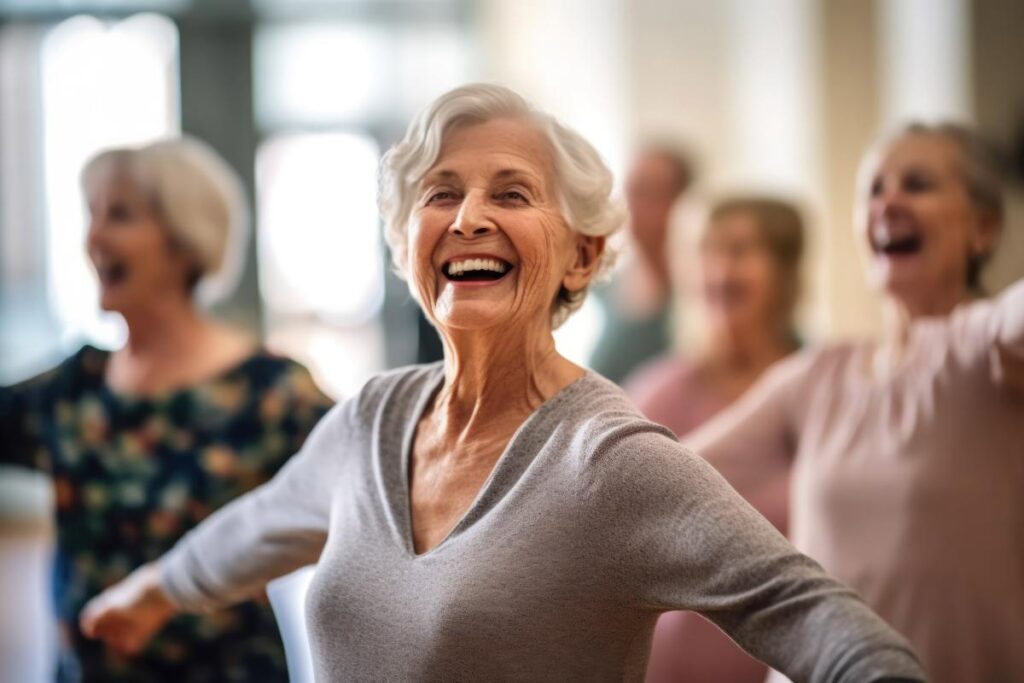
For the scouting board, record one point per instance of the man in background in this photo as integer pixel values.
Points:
(637, 302)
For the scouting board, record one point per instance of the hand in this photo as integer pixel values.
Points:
(126, 615)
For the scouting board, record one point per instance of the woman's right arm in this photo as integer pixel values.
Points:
(269, 532)
(231, 555)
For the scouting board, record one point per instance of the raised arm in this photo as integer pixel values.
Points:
(690, 542)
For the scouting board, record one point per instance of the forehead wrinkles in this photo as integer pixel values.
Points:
(467, 166)
(496, 145)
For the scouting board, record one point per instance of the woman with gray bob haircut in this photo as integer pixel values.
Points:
(504, 514)
(200, 201)
(146, 440)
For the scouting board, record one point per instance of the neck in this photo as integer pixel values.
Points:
(498, 376)
(656, 265)
(749, 348)
(171, 327)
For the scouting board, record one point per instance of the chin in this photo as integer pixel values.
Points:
(476, 316)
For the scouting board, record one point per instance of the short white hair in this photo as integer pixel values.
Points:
(196, 196)
(582, 180)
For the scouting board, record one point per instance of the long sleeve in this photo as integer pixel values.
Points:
(752, 442)
(1010, 316)
(1008, 334)
(21, 407)
(684, 539)
(264, 534)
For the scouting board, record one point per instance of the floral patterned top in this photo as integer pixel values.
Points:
(132, 475)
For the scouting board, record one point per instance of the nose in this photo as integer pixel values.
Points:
(472, 219)
(97, 236)
(886, 202)
(92, 232)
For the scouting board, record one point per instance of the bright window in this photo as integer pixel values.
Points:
(319, 242)
(104, 84)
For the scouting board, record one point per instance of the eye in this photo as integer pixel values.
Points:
(876, 187)
(119, 212)
(917, 182)
(441, 197)
(512, 196)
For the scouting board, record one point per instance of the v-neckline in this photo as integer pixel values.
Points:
(405, 461)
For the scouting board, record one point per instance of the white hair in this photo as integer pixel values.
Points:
(582, 179)
(197, 197)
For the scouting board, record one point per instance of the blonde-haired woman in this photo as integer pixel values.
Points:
(144, 442)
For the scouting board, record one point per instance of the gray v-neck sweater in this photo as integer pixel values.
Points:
(592, 523)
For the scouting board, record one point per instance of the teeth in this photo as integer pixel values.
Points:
(457, 267)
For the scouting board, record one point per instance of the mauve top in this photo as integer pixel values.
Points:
(686, 647)
(592, 522)
(908, 488)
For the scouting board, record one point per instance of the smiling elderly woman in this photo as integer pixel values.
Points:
(505, 515)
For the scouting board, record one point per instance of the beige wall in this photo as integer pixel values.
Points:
(779, 95)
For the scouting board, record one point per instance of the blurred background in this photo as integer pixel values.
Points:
(303, 96)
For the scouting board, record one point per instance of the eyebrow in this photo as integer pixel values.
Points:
(503, 174)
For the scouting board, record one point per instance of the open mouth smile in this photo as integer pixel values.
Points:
(903, 245)
(476, 269)
(111, 272)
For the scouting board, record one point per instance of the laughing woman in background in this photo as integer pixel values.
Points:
(144, 442)
(907, 455)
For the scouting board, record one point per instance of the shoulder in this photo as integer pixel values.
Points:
(391, 395)
(79, 371)
(382, 408)
(653, 377)
(600, 422)
(794, 374)
(974, 325)
(269, 371)
(622, 460)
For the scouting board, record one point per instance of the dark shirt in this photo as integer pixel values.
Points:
(132, 475)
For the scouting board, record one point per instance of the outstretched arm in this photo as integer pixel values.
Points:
(264, 534)
(752, 442)
(690, 542)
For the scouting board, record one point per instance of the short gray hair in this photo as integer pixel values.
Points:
(582, 179)
(196, 196)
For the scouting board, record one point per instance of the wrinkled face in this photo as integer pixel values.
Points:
(739, 281)
(918, 221)
(132, 252)
(651, 190)
(488, 245)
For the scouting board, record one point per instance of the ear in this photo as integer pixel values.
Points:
(589, 250)
(984, 239)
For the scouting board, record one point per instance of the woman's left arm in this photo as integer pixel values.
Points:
(691, 542)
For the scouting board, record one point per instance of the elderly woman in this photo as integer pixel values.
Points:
(906, 453)
(742, 278)
(144, 442)
(504, 515)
